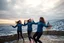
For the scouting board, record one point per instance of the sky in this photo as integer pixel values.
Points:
(12, 10)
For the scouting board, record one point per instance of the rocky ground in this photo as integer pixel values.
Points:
(44, 39)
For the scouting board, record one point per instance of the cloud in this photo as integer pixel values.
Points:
(15, 9)
(3, 5)
(6, 4)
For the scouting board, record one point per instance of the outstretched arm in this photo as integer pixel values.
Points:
(47, 26)
(25, 24)
(14, 26)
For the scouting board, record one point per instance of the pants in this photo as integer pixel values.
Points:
(37, 36)
(29, 35)
(20, 34)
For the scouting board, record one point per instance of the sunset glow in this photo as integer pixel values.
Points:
(6, 21)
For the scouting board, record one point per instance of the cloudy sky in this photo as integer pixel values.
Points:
(11, 10)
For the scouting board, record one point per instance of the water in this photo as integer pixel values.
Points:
(9, 30)
(6, 29)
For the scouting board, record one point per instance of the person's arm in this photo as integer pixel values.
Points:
(25, 24)
(14, 26)
(34, 23)
(45, 25)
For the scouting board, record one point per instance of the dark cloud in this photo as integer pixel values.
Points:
(3, 5)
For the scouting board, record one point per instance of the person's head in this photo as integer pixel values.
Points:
(19, 22)
(29, 20)
(42, 19)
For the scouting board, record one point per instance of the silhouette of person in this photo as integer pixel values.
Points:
(29, 29)
(19, 28)
(39, 31)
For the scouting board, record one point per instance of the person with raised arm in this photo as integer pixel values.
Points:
(39, 31)
(29, 29)
(19, 29)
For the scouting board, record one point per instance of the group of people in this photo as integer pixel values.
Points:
(29, 23)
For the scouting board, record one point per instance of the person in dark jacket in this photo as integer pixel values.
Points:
(39, 31)
(19, 28)
(29, 29)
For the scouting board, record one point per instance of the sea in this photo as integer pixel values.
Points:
(7, 29)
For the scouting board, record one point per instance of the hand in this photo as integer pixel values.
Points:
(49, 27)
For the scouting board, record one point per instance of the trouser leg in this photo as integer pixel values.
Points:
(38, 37)
(22, 36)
(34, 37)
(29, 35)
(18, 34)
